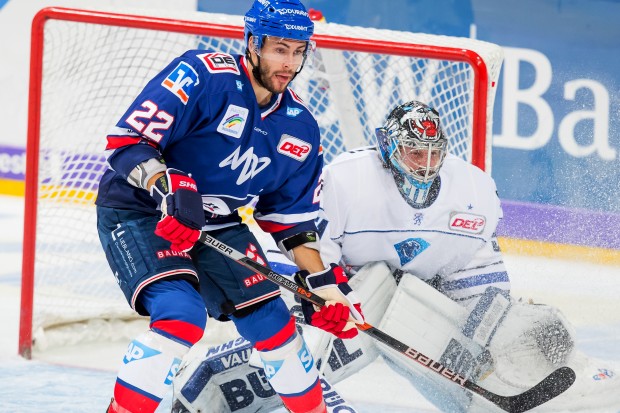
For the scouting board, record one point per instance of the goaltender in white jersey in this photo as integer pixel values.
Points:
(414, 227)
(417, 228)
(448, 239)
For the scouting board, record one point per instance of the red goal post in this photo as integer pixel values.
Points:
(86, 68)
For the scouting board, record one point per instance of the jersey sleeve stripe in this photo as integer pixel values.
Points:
(271, 227)
(115, 142)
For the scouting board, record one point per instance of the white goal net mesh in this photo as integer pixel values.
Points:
(92, 71)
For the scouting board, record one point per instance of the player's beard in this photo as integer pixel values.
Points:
(268, 81)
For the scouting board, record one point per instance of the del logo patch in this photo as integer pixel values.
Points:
(468, 223)
(181, 81)
(294, 148)
(217, 62)
(233, 121)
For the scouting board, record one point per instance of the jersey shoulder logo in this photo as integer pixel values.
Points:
(294, 148)
(233, 122)
(292, 111)
(466, 222)
(181, 81)
(218, 62)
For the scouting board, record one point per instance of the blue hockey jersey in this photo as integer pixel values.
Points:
(201, 115)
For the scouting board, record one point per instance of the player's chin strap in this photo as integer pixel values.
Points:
(553, 385)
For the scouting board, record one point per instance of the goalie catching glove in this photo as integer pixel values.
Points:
(181, 206)
(342, 308)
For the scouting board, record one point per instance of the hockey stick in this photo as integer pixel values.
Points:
(551, 386)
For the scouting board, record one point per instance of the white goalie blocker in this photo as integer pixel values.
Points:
(506, 345)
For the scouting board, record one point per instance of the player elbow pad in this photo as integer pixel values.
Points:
(143, 172)
(309, 239)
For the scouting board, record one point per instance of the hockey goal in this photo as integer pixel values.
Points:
(86, 68)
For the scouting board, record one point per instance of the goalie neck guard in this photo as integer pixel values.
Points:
(413, 146)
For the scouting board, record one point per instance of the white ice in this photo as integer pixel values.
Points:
(79, 379)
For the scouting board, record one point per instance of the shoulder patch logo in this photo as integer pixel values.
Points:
(233, 122)
(292, 112)
(466, 222)
(217, 62)
(294, 148)
(181, 81)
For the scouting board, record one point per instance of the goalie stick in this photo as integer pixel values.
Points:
(551, 386)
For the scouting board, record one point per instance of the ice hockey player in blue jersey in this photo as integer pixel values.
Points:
(211, 133)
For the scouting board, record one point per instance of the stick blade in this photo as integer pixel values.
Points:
(550, 387)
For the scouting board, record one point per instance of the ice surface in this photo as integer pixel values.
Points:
(79, 379)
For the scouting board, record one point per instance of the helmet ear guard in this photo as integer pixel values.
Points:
(384, 144)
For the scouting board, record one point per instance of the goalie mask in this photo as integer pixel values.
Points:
(413, 146)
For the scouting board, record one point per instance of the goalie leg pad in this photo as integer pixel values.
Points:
(148, 369)
(223, 381)
(430, 322)
(446, 397)
(339, 359)
(486, 316)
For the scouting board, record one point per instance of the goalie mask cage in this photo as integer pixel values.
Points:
(88, 66)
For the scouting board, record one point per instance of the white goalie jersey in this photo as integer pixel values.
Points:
(365, 219)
